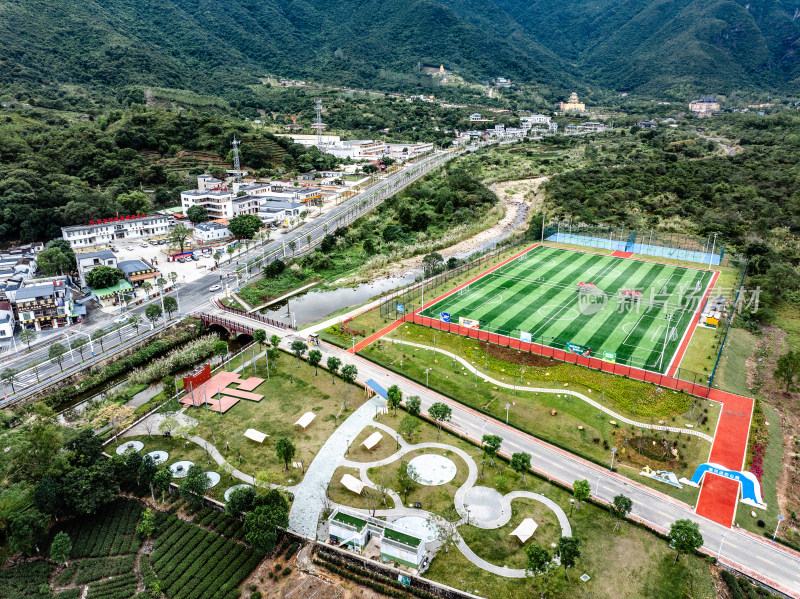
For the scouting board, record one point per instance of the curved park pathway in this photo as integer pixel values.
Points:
(581, 396)
(502, 506)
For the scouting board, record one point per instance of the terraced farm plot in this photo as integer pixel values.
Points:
(628, 311)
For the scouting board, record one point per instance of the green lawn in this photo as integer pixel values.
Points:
(532, 412)
(537, 295)
(291, 390)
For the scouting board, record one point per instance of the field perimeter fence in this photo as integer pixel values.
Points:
(410, 298)
(403, 305)
(708, 250)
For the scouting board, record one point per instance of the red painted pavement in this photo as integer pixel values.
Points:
(375, 336)
(719, 496)
(718, 499)
(621, 254)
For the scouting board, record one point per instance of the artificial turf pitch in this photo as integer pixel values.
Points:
(537, 293)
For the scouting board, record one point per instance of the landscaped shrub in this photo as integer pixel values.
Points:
(186, 355)
(291, 551)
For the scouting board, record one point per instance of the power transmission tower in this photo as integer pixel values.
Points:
(236, 164)
(319, 125)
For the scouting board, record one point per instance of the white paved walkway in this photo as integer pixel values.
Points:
(581, 396)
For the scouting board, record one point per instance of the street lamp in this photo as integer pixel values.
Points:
(571, 504)
(427, 370)
(508, 405)
(613, 451)
(468, 510)
(353, 339)
(775, 534)
(719, 551)
(69, 345)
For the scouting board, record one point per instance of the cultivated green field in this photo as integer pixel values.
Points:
(539, 294)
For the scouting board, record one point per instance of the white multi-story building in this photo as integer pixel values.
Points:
(210, 231)
(7, 321)
(106, 230)
(526, 122)
(219, 202)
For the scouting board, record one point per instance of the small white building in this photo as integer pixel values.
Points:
(397, 544)
(280, 212)
(106, 230)
(210, 231)
(357, 149)
(7, 322)
(205, 182)
(404, 151)
(91, 260)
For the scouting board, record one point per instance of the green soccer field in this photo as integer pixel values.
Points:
(584, 303)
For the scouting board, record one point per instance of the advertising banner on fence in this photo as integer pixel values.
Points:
(581, 350)
(610, 357)
(526, 337)
(468, 322)
(445, 316)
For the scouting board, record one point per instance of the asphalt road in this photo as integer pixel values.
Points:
(195, 294)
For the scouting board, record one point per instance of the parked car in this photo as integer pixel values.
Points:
(214, 288)
(182, 260)
(114, 249)
(153, 243)
(195, 258)
(162, 241)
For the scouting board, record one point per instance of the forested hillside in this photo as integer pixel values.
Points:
(642, 45)
(54, 172)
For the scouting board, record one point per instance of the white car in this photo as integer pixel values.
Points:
(214, 288)
(121, 319)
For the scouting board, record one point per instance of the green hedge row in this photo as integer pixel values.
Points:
(370, 578)
(120, 587)
(741, 588)
(388, 588)
(96, 568)
(23, 581)
(111, 533)
(193, 563)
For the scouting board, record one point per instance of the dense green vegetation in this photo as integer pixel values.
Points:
(682, 180)
(208, 47)
(55, 171)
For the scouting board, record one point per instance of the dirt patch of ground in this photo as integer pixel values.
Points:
(760, 368)
(305, 579)
(514, 356)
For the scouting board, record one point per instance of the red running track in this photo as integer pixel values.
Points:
(621, 254)
(719, 496)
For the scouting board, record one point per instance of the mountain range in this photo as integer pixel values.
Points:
(622, 45)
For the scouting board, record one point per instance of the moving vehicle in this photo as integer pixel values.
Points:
(215, 288)
(121, 319)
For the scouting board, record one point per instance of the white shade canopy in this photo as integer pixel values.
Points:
(352, 483)
(306, 419)
(525, 529)
(372, 440)
(255, 435)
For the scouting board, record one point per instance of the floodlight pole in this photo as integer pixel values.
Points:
(713, 247)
